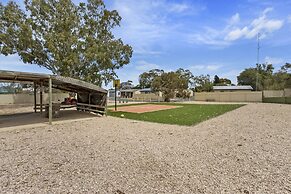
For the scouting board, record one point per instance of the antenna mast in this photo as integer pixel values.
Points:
(258, 61)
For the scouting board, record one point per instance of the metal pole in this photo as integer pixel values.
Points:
(115, 96)
(40, 95)
(50, 101)
(34, 93)
(106, 105)
(258, 60)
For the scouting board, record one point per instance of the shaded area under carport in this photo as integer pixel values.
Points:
(91, 98)
(26, 119)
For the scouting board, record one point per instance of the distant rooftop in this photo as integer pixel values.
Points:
(232, 88)
(145, 90)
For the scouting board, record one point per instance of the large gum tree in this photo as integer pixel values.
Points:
(68, 39)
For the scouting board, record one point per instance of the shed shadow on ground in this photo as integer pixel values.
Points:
(30, 118)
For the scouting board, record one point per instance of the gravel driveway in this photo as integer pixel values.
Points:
(243, 151)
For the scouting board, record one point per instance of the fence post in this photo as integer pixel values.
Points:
(34, 95)
(285, 97)
(50, 101)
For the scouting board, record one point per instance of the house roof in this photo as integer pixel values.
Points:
(145, 90)
(128, 90)
(232, 88)
(59, 82)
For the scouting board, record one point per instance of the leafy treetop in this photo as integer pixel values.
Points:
(68, 39)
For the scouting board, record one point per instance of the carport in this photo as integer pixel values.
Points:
(90, 97)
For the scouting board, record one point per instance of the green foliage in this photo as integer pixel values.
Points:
(68, 39)
(216, 80)
(126, 85)
(169, 84)
(248, 77)
(10, 88)
(267, 80)
(285, 75)
(187, 75)
(203, 83)
(221, 81)
(186, 114)
(146, 78)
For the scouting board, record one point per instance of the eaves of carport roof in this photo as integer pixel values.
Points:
(59, 82)
(22, 76)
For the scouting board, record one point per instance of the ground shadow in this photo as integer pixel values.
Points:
(30, 118)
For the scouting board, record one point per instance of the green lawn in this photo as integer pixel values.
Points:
(187, 114)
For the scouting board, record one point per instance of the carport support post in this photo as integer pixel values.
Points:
(34, 92)
(115, 106)
(40, 97)
(50, 101)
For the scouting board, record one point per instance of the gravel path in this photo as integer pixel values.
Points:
(243, 151)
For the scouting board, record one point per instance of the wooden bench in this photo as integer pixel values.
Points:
(91, 108)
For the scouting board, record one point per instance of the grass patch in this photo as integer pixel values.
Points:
(280, 100)
(186, 114)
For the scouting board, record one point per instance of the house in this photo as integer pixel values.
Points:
(232, 88)
(122, 93)
(111, 93)
(145, 91)
(127, 93)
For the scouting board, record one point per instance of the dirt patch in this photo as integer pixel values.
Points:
(145, 108)
(12, 109)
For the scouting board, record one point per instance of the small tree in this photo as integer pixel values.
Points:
(216, 80)
(248, 77)
(203, 83)
(169, 84)
(264, 72)
(186, 74)
(146, 78)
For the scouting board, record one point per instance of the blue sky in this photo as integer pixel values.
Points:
(205, 36)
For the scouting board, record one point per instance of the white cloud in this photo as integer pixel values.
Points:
(213, 67)
(274, 60)
(213, 70)
(261, 25)
(178, 8)
(289, 19)
(236, 34)
(148, 22)
(210, 36)
(146, 66)
(205, 67)
(234, 31)
(231, 74)
(234, 19)
(197, 67)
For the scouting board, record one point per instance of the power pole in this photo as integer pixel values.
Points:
(258, 61)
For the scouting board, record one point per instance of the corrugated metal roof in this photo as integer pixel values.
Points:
(128, 90)
(145, 90)
(232, 88)
(60, 82)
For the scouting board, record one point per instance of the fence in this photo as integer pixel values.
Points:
(277, 96)
(147, 97)
(6, 99)
(229, 96)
